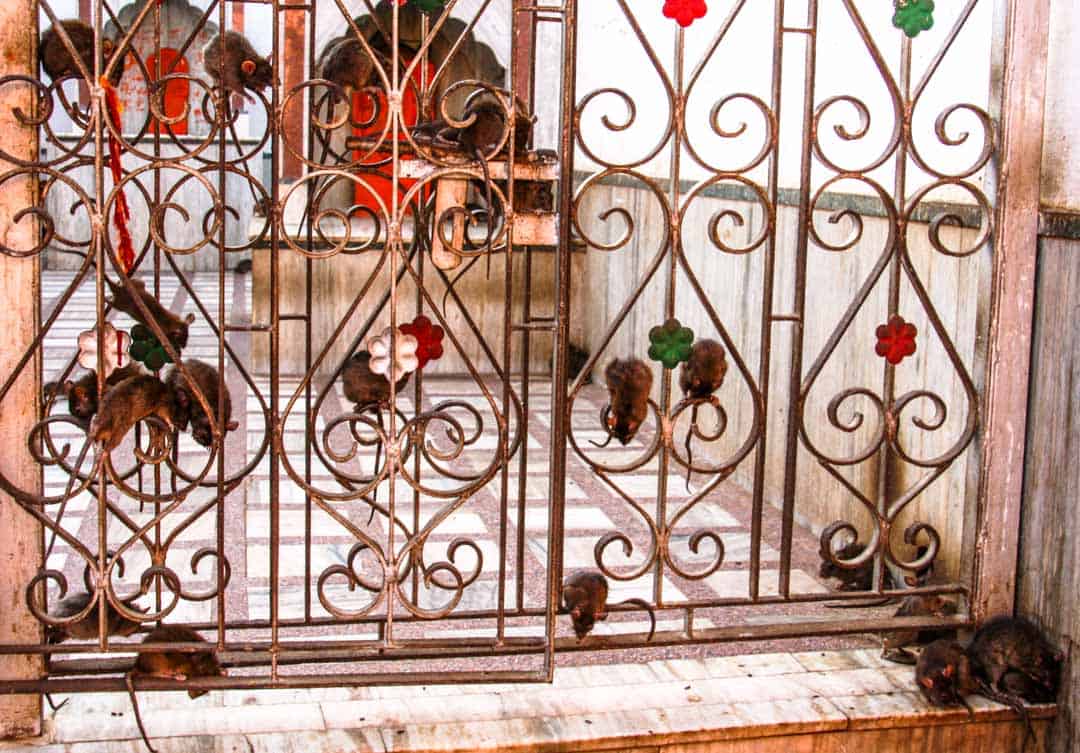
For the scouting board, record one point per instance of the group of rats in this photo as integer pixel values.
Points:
(630, 380)
(132, 394)
(1008, 660)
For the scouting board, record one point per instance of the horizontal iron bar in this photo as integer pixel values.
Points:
(117, 684)
(810, 625)
(337, 653)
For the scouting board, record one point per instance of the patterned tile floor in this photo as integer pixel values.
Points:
(592, 507)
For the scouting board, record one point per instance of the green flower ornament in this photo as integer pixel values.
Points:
(670, 343)
(913, 16)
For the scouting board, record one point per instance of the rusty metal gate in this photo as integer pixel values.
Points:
(328, 345)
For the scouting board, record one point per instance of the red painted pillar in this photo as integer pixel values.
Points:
(293, 56)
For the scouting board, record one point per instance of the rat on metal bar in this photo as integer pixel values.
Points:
(488, 123)
(175, 328)
(629, 383)
(243, 69)
(172, 665)
(861, 577)
(82, 394)
(584, 598)
(345, 62)
(701, 376)
(56, 59)
(368, 391)
(123, 405)
(86, 629)
(704, 372)
(893, 644)
(188, 408)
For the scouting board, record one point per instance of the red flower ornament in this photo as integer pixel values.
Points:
(428, 336)
(685, 12)
(896, 340)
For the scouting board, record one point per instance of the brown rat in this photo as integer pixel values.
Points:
(175, 328)
(363, 387)
(368, 391)
(124, 405)
(704, 371)
(629, 383)
(86, 629)
(584, 597)
(1008, 645)
(345, 62)
(132, 400)
(82, 393)
(701, 375)
(243, 67)
(56, 59)
(944, 675)
(487, 125)
(861, 576)
(172, 665)
(188, 407)
(920, 605)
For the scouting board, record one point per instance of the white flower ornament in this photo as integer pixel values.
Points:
(404, 359)
(115, 355)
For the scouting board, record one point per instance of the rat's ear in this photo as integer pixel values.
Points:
(67, 387)
(232, 426)
(947, 672)
(190, 318)
(927, 681)
(248, 67)
(107, 46)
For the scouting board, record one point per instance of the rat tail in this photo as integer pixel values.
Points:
(603, 422)
(1013, 702)
(378, 456)
(129, 679)
(648, 608)
(689, 445)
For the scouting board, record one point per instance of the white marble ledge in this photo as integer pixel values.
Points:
(658, 706)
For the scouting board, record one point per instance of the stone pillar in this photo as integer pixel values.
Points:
(20, 535)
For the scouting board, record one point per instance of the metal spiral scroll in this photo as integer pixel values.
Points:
(886, 419)
(616, 111)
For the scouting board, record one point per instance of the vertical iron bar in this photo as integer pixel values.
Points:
(563, 279)
(767, 304)
(277, 446)
(887, 460)
(795, 377)
(523, 468)
(678, 115)
(222, 387)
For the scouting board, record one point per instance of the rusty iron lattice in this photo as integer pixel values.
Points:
(392, 571)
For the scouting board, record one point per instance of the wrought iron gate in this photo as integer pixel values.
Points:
(499, 285)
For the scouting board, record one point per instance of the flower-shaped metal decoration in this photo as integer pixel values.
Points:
(402, 362)
(685, 12)
(896, 339)
(429, 338)
(146, 348)
(671, 343)
(913, 16)
(115, 349)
